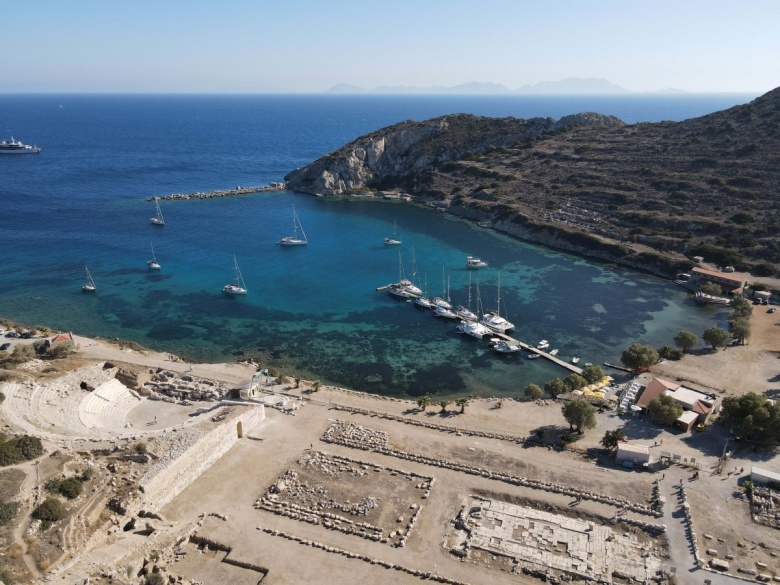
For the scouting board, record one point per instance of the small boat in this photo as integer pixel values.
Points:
(575, 360)
(89, 286)
(16, 147)
(238, 287)
(504, 347)
(152, 264)
(533, 356)
(494, 340)
(472, 262)
(444, 300)
(157, 219)
(294, 240)
(554, 352)
(543, 344)
(394, 241)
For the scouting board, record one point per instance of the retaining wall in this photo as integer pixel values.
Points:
(197, 458)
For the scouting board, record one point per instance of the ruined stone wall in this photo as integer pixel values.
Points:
(161, 486)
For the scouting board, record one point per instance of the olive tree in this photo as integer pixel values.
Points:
(639, 356)
(686, 340)
(580, 415)
(716, 337)
(532, 392)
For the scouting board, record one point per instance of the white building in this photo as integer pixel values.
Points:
(636, 454)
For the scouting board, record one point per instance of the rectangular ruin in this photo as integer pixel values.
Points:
(523, 539)
(374, 502)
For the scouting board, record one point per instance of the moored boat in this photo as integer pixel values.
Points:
(506, 348)
(153, 264)
(493, 319)
(157, 219)
(294, 240)
(89, 286)
(474, 329)
(543, 344)
(554, 352)
(472, 262)
(238, 286)
(394, 240)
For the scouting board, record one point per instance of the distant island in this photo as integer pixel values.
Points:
(570, 86)
(649, 195)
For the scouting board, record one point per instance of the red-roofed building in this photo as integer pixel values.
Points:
(691, 400)
(62, 338)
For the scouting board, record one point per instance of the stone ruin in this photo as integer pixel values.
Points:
(181, 388)
(549, 545)
(765, 506)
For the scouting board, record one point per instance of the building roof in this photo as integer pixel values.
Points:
(688, 417)
(653, 390)
(62, 337)
(688, 398)
(629, 448)
(738, 282)
(770, 475)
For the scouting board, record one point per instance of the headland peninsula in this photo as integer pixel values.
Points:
(647, 195)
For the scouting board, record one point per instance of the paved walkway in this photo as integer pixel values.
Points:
(680, 550)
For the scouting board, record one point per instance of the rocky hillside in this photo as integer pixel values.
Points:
(588, 183)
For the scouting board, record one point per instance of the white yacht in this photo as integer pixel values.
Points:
(575, 360)
(444, 300)
(294, 240)
(543, 344)
(394, 241)
(238, 286)
(443, 312)
(16, 147)
(422, 301)
(89, 286)
(493, 319)
(466, 313)
(554, 352)
(504, 347)
(153, 264)
(404, 288)
(157, 219)
(472, 262)
(475, 329)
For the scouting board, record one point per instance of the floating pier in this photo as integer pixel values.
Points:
(542, 353)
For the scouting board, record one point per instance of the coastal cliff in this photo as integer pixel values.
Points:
(644, 194)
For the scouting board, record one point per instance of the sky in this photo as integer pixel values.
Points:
(308, 46)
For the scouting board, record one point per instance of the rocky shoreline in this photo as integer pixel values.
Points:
(271, 187)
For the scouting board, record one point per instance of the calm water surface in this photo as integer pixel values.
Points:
(312, 310)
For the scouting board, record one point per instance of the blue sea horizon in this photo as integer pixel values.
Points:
(311, 311)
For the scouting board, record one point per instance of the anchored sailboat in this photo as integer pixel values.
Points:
(89, 286)
(157, 219)
(152, 264)
(493, 319)
(238, 287)
(294, 240)
(394, 241)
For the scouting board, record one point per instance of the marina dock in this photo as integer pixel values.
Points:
(542, 353)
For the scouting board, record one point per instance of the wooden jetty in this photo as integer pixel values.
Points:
(542, 353)
(621, 368)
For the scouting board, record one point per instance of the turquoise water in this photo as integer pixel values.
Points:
(311, 311)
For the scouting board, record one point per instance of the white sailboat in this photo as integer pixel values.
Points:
(394, 241)
(441, 310)
(404, 288)
(466, 313)
(89, 286)
(474, 328)
(294, 240)
(238, 287)
(444, 300)
(157, 219)
(493, 319)
(153, 264)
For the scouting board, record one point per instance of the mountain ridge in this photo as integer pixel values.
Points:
(587, 182)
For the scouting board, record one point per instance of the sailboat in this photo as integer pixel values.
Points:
(493, 319)
(89, 286)
(394, 241)
(157, 219)
(152, 264)
(293, 240)
(474, 328)
(404, 288)
(441, 310)
(423, 302)
(444, 300)
(239, 286)
(465, 313)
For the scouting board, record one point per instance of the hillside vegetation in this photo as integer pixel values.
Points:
(649, 193)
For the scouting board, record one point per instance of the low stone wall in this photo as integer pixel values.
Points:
(161, 485)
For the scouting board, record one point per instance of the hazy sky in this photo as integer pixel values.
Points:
(311, 45)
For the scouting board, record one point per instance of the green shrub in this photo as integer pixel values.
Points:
(8, 512)
(155, 579)
(70, 487)
(19, 449)
(48, 512)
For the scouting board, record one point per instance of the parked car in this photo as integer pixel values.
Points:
(5, 346)
(11, 334)
(771, 310)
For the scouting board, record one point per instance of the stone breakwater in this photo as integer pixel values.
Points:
(271, 187)
(425, 575)
(334, 435)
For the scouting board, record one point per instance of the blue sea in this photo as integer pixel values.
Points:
(311, 311)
